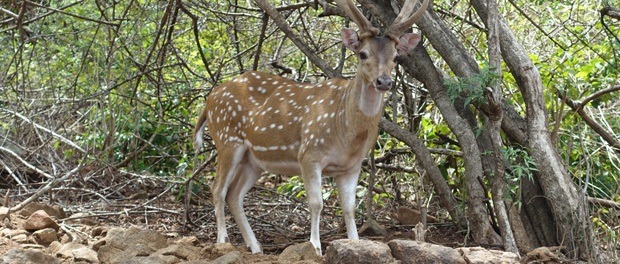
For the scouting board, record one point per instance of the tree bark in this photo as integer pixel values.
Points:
(424, 159)
(567, 204)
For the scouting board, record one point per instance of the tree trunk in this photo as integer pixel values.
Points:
(567, 205)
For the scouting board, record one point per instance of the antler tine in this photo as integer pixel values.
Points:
(366, 28)
(401, 23)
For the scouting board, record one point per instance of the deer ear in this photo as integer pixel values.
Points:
(349, 39)
(407, 42)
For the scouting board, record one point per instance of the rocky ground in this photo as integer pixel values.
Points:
(40, 233)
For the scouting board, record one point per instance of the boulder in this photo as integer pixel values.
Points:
(181, 251)
(408, 216)
(358, 251)
(409, 251)
(55, 211)
(479, 255)
(75, 252)
(4, 212)
(39, 220)
(27, 256)
(221, 249)
(300, 252)
(232, 257)
(45, 236)
(372, 228)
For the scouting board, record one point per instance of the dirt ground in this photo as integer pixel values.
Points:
(278, 219)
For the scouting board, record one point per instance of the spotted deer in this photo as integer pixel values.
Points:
(262, 122)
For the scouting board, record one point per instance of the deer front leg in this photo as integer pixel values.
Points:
(311, 175)
(346, 194)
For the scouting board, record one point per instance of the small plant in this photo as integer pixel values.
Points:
(521, 165)
(471, 88)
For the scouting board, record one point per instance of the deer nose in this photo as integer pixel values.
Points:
(384, 83)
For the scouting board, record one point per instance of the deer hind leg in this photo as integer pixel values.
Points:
(346, 194)
(245, 177)
(228, 162)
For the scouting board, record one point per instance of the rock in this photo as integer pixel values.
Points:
(99, 231)
(75, 252)
(54, 247)
(181, 251)
(408, 216)
(4, 212)
(300, 252)
(123, 238)
(39, 220)
(233, 257)
(408, 251)
(83, 218)
(110, 254)
(6, 232)
(190, 240)
(372, 228)
(22, 239)
(27, 256)
(478, 255)
(543, 255)
(33, 246)
(202, 261)
(55, 211)
(122, 245)
(220, 249)
(45, 236)
(358, 251)
(154, 259)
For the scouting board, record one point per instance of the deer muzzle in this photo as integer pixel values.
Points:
(384, 83)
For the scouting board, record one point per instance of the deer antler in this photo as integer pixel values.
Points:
(366, 28)
(402, 23)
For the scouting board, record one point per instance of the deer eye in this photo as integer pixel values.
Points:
(363, 55)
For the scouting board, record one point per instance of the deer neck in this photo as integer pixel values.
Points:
(362, 106)
(365, 102)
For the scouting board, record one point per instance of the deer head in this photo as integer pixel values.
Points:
(377, 53)
(261, 122)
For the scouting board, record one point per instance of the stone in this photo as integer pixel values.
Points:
(154, 259)
(45, 236)
(55, 211)
(83, 218)
(479, 255)
(13, 232)
(232, 257)
(181, 251)
(372, 228)
(190, 240)
(54, 247)
(99, 231)
(220, 249)
(408, 216)
(110, 254)
(405, 250)
(27, 256)
(22, 239)
(4, 212)
(543, 255)
(299, 252)
(76, 252)
(39, 220)
(358, 251)
(124, 238)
